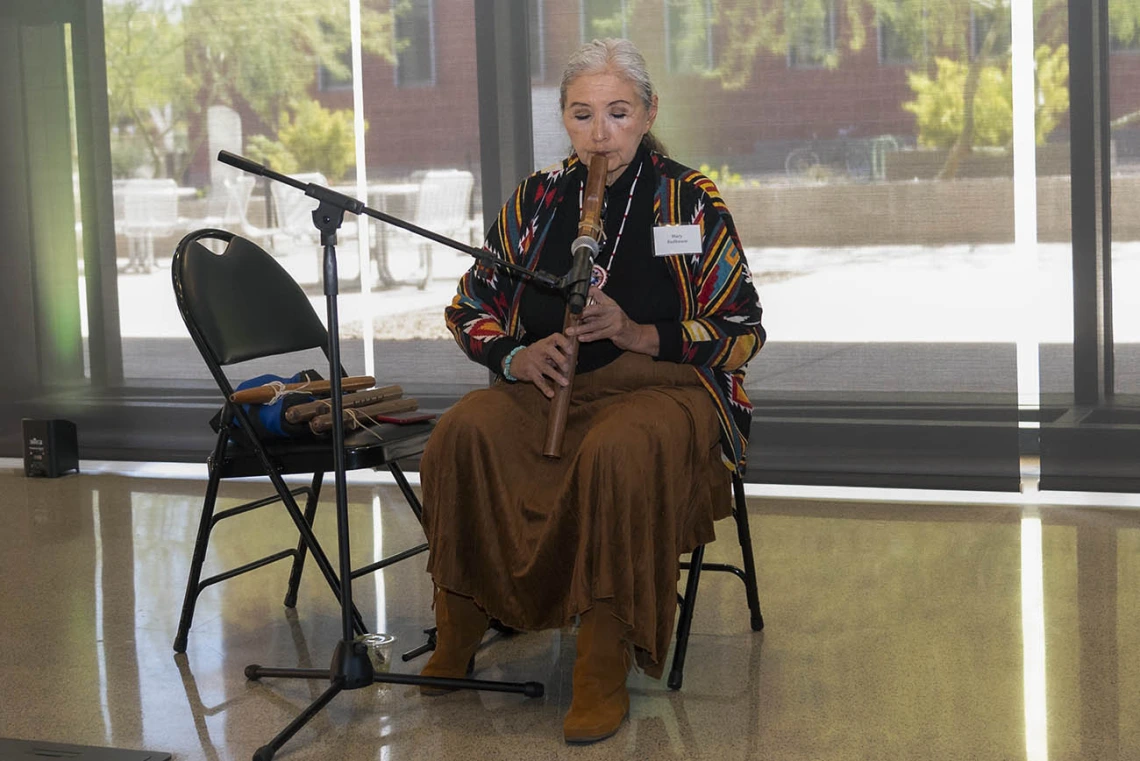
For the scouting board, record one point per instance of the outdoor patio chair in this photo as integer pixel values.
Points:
(150, 210)
(227, 205)
(242, 305)
(442, 205)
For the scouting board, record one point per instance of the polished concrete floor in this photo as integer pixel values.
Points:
(897, 628)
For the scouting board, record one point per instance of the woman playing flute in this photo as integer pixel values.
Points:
(658, 415)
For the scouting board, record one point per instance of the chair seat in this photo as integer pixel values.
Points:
(369, 448)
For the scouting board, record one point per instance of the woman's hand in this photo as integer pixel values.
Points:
(542, 362)
(603, 318)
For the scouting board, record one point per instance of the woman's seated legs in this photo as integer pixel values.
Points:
(537, 541)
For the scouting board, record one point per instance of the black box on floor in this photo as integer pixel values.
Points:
(50, 448)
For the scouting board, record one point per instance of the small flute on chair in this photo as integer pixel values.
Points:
(267, 393)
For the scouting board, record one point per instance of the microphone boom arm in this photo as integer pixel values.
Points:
(355, 206)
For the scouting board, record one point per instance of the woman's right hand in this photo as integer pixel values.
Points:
(544, 361)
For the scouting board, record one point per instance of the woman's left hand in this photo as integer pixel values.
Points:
(603, 318)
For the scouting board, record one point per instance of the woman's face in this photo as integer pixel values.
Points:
(605, 115)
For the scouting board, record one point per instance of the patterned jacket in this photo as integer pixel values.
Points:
(719, 328)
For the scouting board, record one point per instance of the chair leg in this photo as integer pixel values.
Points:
(197, 560)
(302, 548)
(685, 621)
(406, 489)
(740, 513)
(310, 539)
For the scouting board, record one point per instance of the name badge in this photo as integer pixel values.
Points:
(676, 240)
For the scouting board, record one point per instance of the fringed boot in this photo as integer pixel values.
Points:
(600, 700)
(460, 625)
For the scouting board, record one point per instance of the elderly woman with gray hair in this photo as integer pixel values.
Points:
(658, 415)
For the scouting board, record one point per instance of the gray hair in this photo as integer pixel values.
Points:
(622, 58)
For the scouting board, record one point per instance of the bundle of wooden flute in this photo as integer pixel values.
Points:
(360, 408)
(361, 404)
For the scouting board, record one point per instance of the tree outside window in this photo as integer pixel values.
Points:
(902, 35)
(982, 21)
(336, 75)
(169, 61)
(688, 32)
(603, 18)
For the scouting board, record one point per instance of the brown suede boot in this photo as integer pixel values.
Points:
(460, 625)
(600, 700)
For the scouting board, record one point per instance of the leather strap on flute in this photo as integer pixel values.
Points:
(583, 251)
(267, 393)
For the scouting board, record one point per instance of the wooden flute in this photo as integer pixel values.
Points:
(265, 394)
(589, 227)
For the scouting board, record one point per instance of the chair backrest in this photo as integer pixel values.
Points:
(295, 209)
(443, 200)
(150, 204)
(228, 200)
(241, 304)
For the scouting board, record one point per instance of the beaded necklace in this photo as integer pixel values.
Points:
(599, 274)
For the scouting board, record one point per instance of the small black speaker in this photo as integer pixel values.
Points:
(50, 448)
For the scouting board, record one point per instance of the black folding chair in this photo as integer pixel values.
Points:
(241, 305)
(696, 564)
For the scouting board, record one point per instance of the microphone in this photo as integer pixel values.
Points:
(241, 162)
(584, 250)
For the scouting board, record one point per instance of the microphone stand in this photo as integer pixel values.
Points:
(351, 668)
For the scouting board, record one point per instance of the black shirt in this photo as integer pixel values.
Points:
(638, 281)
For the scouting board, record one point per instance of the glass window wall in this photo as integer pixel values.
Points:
(915, 268)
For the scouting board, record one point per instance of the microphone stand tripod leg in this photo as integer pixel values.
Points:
(266, 752)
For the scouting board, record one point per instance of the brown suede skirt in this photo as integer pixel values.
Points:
(535, 541)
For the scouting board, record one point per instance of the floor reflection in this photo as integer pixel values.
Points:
(895, 629)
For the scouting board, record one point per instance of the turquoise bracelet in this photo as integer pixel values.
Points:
(507, 363)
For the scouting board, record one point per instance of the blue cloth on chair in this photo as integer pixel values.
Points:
(269, 419)
(272, 416)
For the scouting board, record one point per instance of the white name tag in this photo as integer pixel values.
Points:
(676, 240)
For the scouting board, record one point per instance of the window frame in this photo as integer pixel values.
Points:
(433, 76)
(832, 43)
(536, 27)
(881, 28)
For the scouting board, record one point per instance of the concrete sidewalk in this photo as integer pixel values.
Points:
(936, 320)
(871, 294)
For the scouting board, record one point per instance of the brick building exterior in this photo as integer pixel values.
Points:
(431, 119)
